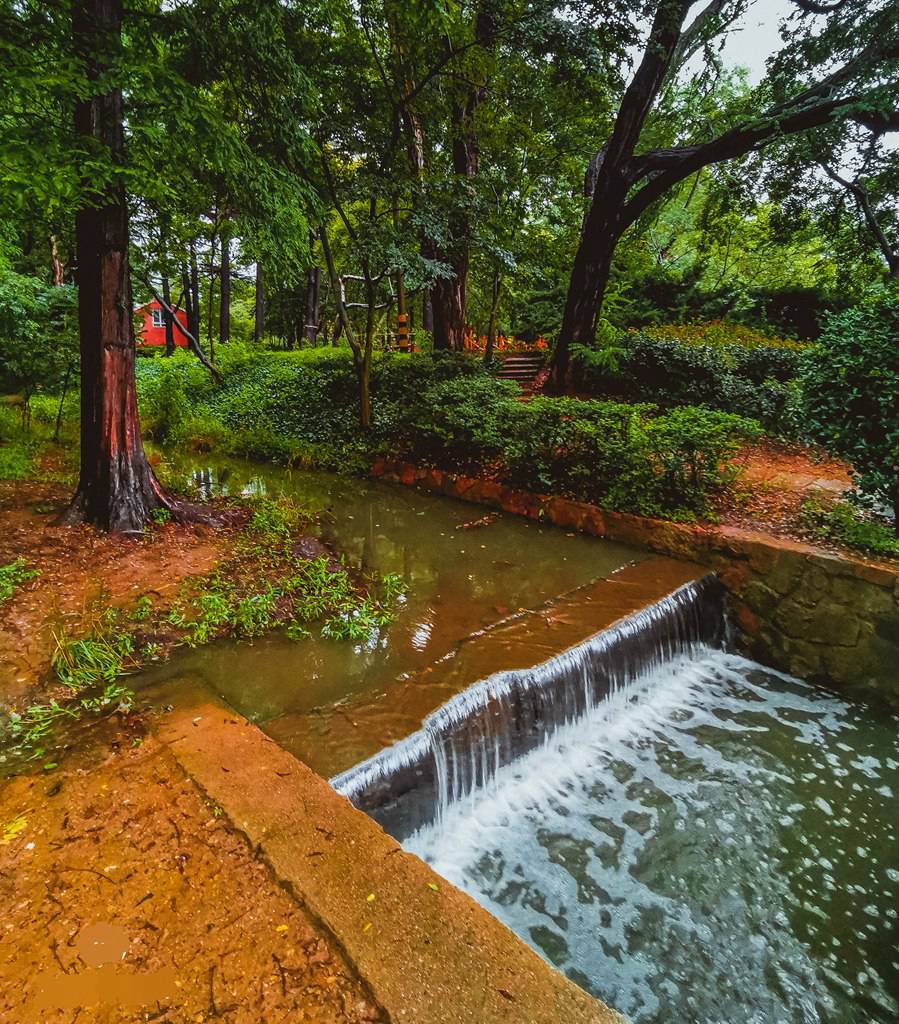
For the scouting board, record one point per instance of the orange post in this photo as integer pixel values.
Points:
(402, 332)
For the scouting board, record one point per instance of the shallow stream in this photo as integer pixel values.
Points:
(462, 579)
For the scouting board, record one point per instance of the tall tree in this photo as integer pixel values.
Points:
(849, 48)
(116, 488)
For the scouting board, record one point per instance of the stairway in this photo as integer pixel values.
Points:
(522, 367)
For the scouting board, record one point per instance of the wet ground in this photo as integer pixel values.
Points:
(129, 897)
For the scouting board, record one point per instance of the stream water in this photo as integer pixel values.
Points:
(713, 844)
(461, 581)
(691, 837)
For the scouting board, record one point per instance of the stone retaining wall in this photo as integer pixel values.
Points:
(823, 617)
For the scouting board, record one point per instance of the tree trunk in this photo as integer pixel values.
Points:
(225, 292)
(313, 305)
(589, 278)
(58, 267)
(259, 325)
(448, 302)
(427, 312)
(494, 309)
(188, 297)
(194, 324)
(169, 319)
(117, 490)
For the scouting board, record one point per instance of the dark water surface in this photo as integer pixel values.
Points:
(716, 844)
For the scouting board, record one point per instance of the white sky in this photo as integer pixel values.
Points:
(756, 38)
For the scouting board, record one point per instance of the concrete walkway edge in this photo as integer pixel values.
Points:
(428, 952)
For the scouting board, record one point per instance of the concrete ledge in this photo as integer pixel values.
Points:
(429, 953)
(829, 618)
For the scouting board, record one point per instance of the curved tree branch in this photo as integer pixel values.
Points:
(192, 342)
(860, 194)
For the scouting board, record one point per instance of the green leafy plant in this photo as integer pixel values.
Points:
(851, 387)
(30, 728)
(847, 524)
(13, 575)
(102, 656)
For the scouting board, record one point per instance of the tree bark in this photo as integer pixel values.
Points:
(450, 295)
(193, 324)
(427, 312)
(313, 305)
(494, 310)
(225, 292)
(188, 296)
(169, 319)
(117, 490)
(58, 267)
(259, 324)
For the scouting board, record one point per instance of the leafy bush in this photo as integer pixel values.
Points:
(447, 411)
(846, 524)
(750, 381)
(456, 422)
(851, 387)
(622, 456)
(165, 402)
(721, 334)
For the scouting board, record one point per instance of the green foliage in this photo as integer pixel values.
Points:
(12, 576)
(18, 451)
(276, 519)
(755, 381)
(449, 412)
(31, 728)
(102, 656)
(851, 387)
(623, 456)
(846, 524)
(38, 334)
(164, 402)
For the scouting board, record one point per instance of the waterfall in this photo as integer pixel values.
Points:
(462, 744)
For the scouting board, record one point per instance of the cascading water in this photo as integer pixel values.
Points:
(689, 836)
(462, 745)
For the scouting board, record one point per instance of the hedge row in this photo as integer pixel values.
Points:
(757, 382)
(447, 412)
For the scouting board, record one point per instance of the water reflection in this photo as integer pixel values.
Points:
(460, 581)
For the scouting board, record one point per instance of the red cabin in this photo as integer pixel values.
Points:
(151, 328)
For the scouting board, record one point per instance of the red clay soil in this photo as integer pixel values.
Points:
(126, 895)
(775, 479)
(80, 570)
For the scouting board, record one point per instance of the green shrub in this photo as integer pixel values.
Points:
(18, 450)
(846, 524)
(447, 411)
(622, 456)
(457, 422)
(751, 381)
(851, 387)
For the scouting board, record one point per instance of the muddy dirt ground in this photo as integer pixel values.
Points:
(81, 571)
(128, 898)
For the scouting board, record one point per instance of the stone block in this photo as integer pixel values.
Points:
(565, 513)
(832, 625)
(786, 570)
(761, 598)
(792, 619)
(865, 599)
